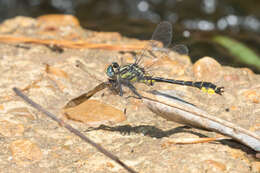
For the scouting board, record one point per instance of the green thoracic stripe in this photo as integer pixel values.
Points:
(134, 73)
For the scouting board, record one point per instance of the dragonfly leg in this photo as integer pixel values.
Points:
(120, 85)
(132, 88)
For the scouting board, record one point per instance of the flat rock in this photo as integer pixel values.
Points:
(31, 142)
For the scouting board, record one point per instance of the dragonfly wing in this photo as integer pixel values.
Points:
(181, 49)
(161, 35)
(80, 99)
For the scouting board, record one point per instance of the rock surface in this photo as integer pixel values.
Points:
(31, 142)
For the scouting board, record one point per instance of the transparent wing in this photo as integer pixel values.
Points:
(181, 49)
(160, 41)
(161, 35)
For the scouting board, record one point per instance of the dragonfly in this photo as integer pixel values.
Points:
(127, 75)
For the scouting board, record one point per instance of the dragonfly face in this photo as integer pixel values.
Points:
(112, 69)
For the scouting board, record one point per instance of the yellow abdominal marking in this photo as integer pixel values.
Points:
(208, 90)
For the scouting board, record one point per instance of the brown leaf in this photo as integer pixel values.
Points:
(169, 106)
(93, 112)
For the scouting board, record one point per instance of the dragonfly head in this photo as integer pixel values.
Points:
(111, 69)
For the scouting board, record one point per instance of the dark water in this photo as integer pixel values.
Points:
(195, 22)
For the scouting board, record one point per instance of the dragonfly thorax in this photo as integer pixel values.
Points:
(130, 72)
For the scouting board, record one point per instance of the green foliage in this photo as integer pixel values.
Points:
(239, 50)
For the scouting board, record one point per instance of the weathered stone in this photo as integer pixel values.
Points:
(25, 152)
(9, 129)
(207, 69)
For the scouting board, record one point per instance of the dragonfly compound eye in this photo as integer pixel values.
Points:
(115, 65)
(110, 71)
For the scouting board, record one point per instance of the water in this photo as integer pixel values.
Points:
(195, 22)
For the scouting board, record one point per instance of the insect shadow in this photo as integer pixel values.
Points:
(146, 130)
(154, 132)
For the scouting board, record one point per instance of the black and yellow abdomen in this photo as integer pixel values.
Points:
(133, 73)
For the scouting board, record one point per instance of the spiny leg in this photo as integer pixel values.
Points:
(132, 88)
(119, 85)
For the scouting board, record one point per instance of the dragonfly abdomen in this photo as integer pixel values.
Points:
(148, 80)
(204, 86)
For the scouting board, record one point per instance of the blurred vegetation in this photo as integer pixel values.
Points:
(238, 21)
(239, 51)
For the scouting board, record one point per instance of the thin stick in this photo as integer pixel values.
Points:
(73, 130)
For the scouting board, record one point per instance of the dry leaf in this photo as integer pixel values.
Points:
(169, 106)
(93, 112)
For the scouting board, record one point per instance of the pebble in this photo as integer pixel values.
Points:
(207, 69)
(25, 152)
